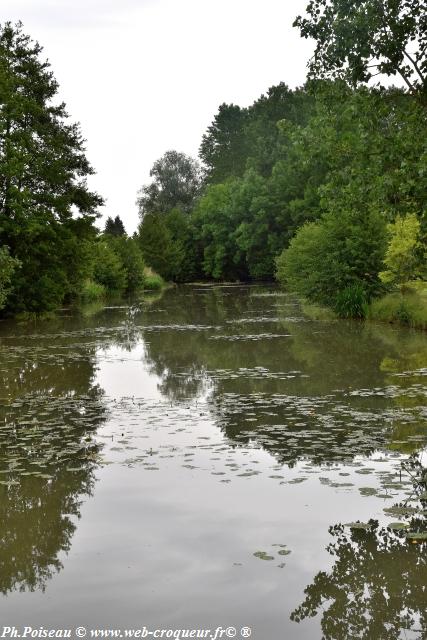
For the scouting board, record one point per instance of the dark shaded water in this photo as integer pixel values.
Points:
(179, 464)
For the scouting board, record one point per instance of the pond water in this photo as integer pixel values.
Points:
(188, 461)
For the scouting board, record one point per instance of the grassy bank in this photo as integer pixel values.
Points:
(408, 308)
(94, 292)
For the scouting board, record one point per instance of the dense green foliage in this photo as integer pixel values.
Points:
(168, 245)
(176, 182)
(114, 227)
(325, 172)
(377, 159)
(129, 253)
(43, 170)
(360, 40)
(116, 265)
(51, 251)
(322, 186)
(336, 260)
(402, 258)
(108, 268)
(8, 266)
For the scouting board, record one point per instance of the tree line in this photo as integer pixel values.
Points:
(322, 186)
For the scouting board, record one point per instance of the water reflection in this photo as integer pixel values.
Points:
(300, 389)
(50, 408)
(376, 587)
(220, 422)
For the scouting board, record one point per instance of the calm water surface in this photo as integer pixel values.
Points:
(188, 462)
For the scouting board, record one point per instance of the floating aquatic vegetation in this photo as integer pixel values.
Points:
(363, 526)
(262, 555)
(368, 491)
(397, 526)
(248, 410)
(255, 336)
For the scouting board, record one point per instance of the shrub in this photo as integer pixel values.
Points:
(107, 268)
(92, 291)
(351, 302)
(129, 252)
(401, 258)
(152, 280)
(336, 261)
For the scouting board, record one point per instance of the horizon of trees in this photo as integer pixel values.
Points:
(321, 186)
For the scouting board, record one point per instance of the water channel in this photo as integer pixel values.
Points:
(213, 456)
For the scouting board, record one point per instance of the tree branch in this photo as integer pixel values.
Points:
(416, 67)
(408, 82)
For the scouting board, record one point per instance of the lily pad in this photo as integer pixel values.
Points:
(367, 491)
(416, 536)
(365, 526)
(262, 555)
(397, 526)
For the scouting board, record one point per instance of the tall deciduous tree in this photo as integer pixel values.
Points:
(366, 38)
(46, 208)
(224, 146)
(177, 180)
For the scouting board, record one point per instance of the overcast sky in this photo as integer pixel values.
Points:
(146, 76)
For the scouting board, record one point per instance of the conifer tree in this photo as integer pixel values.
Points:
(46, 208)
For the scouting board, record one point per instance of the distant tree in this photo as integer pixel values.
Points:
(177, 180)
(114, 227)
(108, 268)
(223, 149)
(130, 254)
(158, 247)
(218, 215)
(43, 171)
(359, 40)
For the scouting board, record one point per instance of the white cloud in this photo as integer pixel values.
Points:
(66, 14)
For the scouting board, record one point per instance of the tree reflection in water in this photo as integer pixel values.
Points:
(50, 408)
(377, 585)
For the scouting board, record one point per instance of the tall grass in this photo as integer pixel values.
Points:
(351, 302)
(92, 292)
(408, 309)
(152, 280)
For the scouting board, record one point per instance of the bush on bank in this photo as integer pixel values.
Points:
(408, 309)
(152, 280)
